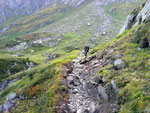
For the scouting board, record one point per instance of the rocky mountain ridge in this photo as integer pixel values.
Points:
(14, 8)
(138, 16)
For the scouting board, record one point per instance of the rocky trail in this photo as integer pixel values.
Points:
(88, 93)
(80, 99)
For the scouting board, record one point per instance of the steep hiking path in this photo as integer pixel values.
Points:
(80, 100)
(87, 91)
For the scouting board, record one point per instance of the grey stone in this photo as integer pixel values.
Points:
(11, 96)
(111, 52)
(118, 56)
(95, 62)
(94, 108)
(79, 111)
(139, 49)
(32, 51)
(97, 80)
(12, 82)
(10, 102)
(102, 93)
(119, 64)
(100, 55)
(1, 109)
(7, 106)
(3, 85)
(51, 56)
(88, 24)
(114, 86)
(8, 72)
(75, 61)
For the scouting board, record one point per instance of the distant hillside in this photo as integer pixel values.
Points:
(91, 18)
(14, 8)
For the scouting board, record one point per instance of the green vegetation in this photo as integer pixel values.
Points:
(133, 80)
(13, 65)
(33, 22)
(119, 10)
(41, 85)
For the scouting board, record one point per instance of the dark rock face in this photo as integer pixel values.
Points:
(145, 43)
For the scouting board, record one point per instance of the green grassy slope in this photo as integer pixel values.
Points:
(133, 81)
(121, 10)
(44, 81)
(33, 22)
(42, 86)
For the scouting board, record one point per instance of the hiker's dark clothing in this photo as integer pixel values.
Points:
(86, 50)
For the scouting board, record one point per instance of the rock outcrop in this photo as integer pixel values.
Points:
(138, 16)
(10, 102)
(119, 64)
(6, 83)
(48, 42)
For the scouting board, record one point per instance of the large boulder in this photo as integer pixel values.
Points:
(102, 93)
(119, 64)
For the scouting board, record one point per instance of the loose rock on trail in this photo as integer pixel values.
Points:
(87, 93)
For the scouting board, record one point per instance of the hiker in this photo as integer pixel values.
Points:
(86, 50)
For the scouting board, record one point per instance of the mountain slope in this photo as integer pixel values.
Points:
(88, 18)
(118, 68)
(13, 8)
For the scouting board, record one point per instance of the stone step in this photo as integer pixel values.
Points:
(79, 66)
(75, 61)
(79, 70)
